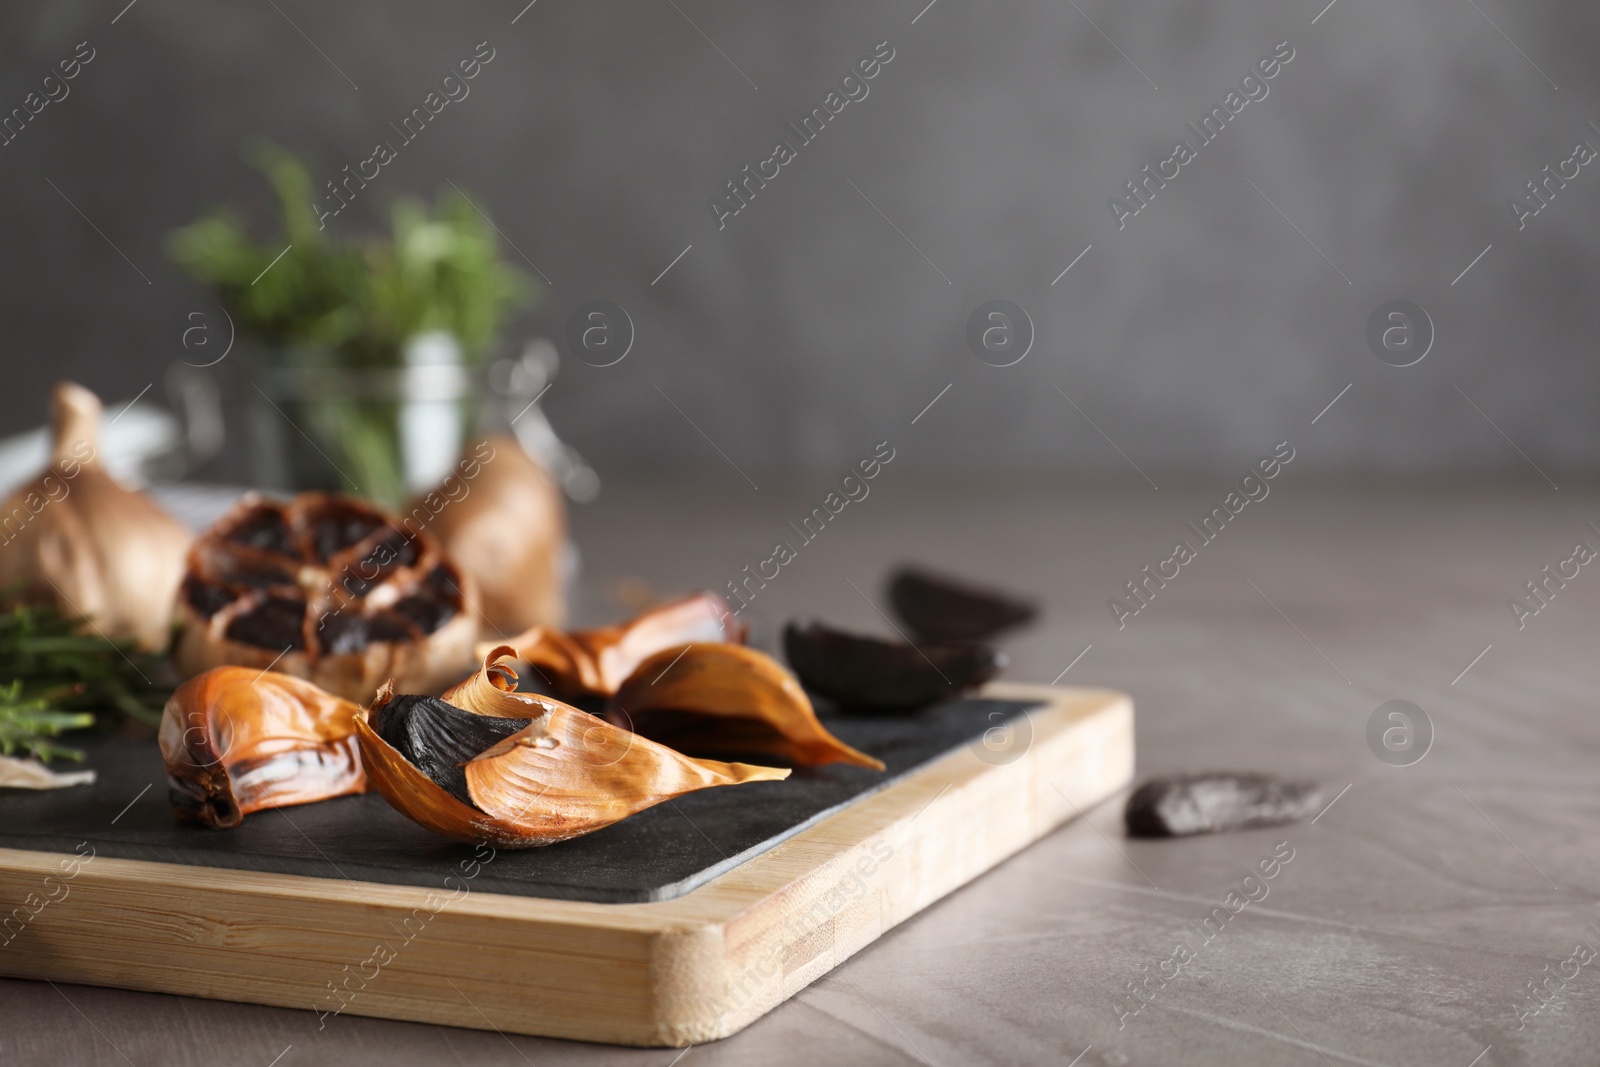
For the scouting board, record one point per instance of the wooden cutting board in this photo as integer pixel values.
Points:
(667, 972)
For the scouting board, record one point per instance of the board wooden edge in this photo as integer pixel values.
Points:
(670, 973)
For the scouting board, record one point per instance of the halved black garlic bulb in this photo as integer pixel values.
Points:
(944, 609)
(327, 588)
(874, 676)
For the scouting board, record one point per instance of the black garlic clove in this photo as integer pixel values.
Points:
(875, 676)
(944, 609)
(1210, 803)
(439, 738)
(276, 622)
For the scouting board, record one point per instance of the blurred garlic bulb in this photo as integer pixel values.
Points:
(76, 538)
(501, 518)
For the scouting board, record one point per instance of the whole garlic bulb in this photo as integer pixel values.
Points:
(76, 538)
(501, 518)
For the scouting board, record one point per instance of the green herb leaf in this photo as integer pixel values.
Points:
(54, 679)
(361, 300)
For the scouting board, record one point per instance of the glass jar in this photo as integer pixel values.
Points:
(391, 432)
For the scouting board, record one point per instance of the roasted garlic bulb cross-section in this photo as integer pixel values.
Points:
(327, 588)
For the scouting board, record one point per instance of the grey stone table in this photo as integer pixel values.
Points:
(1409, 927)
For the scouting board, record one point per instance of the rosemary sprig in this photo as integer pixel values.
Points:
(54, 679)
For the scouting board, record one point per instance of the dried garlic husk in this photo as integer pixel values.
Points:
(593, 663)
(238, 740)
(501, 517)
(31, 774)
(724, 700)
(76, 538)
(555, 773)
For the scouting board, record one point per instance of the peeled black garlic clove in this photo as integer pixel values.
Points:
(237, 740)
(556, 772)
(440, 739)
(872, 675)
(1209, 803)
(727, 700)
(945, 609)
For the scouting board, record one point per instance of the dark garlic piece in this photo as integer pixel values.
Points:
(875, 676)
(1210, 803)
(944, 609)
(440, 739)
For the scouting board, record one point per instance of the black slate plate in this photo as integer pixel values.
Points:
(657, 854)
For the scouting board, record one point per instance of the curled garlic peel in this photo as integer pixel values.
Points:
(593, 663)
(721, 699)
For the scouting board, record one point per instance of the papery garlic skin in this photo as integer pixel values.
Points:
(527, 779)
(18, 773)
(593, 663)
(77, 539)
(237, 740)
(678, 673)
(722, 700)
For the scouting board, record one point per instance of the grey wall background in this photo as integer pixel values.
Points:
(1196, 338)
